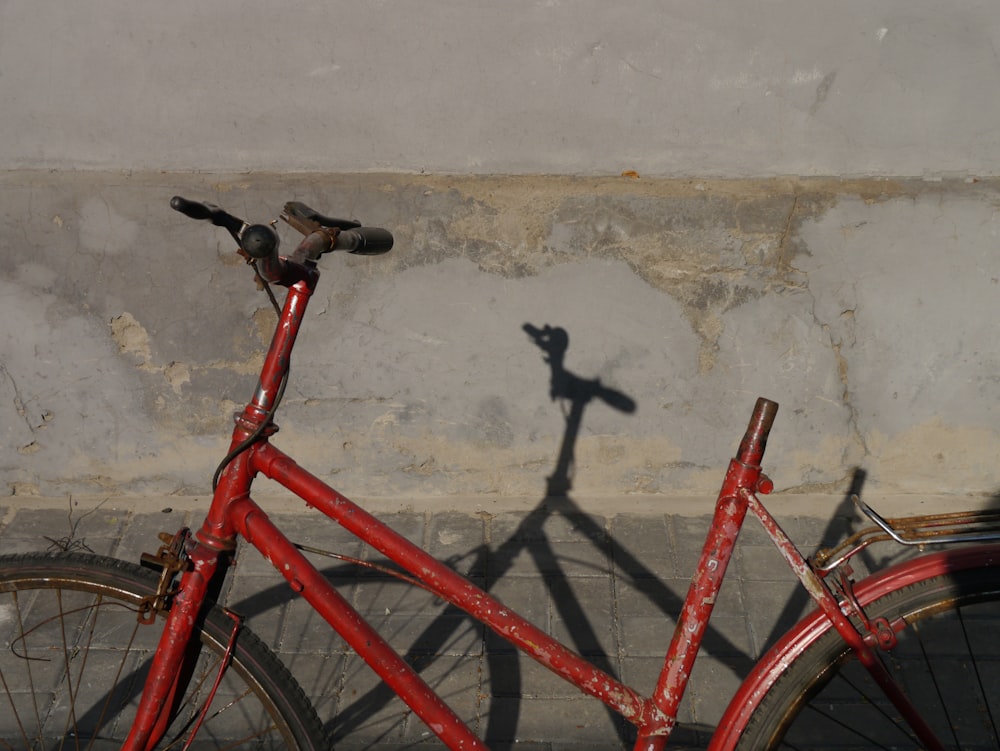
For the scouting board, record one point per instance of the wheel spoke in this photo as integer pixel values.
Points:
(844, 721)
(946, 660)
(75, 658)
(986, 704)
(916, 630)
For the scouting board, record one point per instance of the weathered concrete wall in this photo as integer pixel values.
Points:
(685, 88)
(869, 309)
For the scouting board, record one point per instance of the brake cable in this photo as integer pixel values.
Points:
(255, 436)
(262, 283)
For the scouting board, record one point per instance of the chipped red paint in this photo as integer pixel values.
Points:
(233, 513)
(743, 477)
(831, 608)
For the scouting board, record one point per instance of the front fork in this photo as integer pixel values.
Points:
(178, 648)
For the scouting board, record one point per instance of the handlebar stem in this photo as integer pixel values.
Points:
(279, 354)
(314, 245)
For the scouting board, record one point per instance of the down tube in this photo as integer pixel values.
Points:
(460, 592)
(303, 577)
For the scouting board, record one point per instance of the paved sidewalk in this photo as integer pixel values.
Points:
(608, 585)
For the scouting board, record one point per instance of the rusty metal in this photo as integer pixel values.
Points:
(742, 479)
(859, 643)
(234, 513)
(438, 578)
(880, 632)
(168, 675)
(171, 560)
(927, 529)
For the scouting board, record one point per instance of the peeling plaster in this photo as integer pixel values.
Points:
(865, 307)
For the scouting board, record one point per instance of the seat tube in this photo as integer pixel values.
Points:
(742, 478)
(717, 552)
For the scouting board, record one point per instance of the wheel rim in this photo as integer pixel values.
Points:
(947, 661)
(72, 660)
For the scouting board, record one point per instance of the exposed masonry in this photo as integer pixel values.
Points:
(863, 306)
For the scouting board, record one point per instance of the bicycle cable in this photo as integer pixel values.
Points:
(265, 286)
(255, 436)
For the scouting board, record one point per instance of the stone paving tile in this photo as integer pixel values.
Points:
(367, 712)
(580, 719)
(641, 547)
(314, 529)
(808, 532)
(527, 595)
(86, 530)
(713, 684)
(611, 587)
(512, 674)
(455, 680)
(304, 631)
(686, 541)
(771, 609)
(141, 533)
(458, 540)
(556, 520)
(582, 615)
(761, 563)
(537, 557)
(15, 545)
(263, 601)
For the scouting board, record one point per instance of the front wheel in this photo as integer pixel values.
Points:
(73, 658)
(946, 614)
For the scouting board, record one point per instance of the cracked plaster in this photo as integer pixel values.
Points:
(865, 307)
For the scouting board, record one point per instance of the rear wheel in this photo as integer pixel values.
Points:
(73, 658)
(947, 661)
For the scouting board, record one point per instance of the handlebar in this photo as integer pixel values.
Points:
(364, 241)
(209, 211)
(260, 241)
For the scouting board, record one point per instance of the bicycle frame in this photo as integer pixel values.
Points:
(233, 512)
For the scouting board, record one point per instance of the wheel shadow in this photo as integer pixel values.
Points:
(533, 540)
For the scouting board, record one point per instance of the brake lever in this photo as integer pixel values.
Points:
(305, 226)
(307, 220)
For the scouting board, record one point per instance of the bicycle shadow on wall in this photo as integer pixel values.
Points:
(552, 539)
(623, 568)
(573, 551)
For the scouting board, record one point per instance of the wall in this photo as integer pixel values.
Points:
(730, 89)
(132, 333)
(807, 212)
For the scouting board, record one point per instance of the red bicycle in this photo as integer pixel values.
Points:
(101, 653)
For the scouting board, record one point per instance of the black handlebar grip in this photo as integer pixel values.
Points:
(365, 241)
(193, 209)
(209, 211)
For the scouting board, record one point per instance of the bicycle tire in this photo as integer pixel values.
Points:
(73, 657)
(947, 660)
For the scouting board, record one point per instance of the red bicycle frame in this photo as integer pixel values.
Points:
(233, 513)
